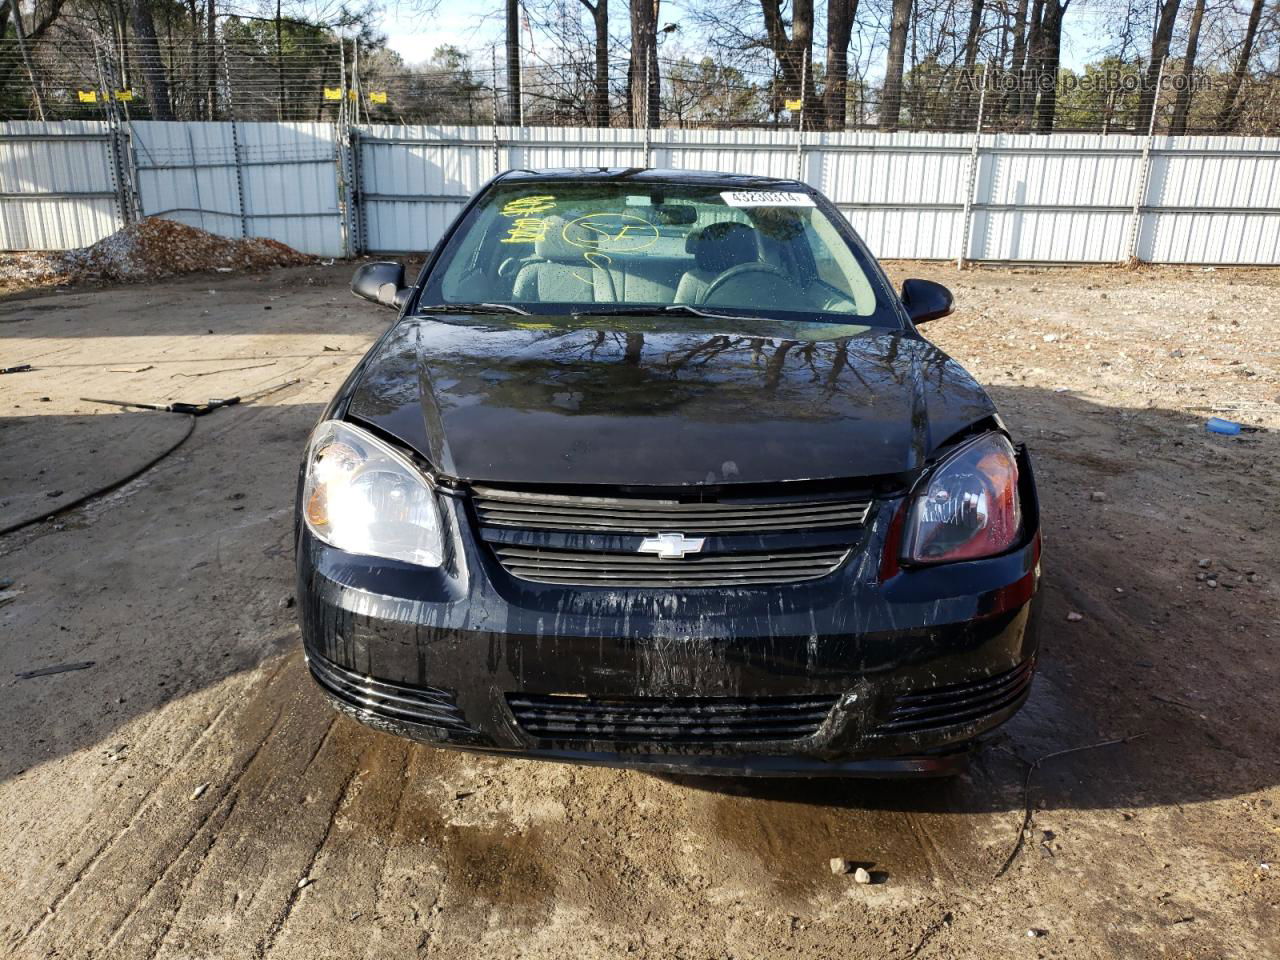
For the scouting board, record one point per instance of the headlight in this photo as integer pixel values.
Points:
(362, 496)
(969, 506)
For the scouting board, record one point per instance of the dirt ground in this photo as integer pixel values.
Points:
(175, 798)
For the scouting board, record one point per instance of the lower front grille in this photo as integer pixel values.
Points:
(674, 720)
(947, 706)
(425, 705)
(638, 570)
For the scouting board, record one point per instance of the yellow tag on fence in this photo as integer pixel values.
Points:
(88, 96)
(793, 104)
(377, 96)
(125, 95)
(333, 93)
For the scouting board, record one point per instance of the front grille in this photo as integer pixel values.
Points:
(595, 541)
(425, 705)
(675, 720)
(642, 570)
(546, 511)
(946, 706)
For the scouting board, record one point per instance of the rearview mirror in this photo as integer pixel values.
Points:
(926, 300)
(675, 214)
(382, 282)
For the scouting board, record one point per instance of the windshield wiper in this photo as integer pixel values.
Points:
(642, 311)
(474, 308)
(686, 308)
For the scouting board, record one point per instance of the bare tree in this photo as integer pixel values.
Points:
(1166, 17)
(891, 98)
(972, 37)
(600, 17)
(42, 20)
(1029, 76)
(840, 16)
(1018, 56)
(153, 71)
(642, 75)
(794, 53)
(514, 93)
(1182, 106)
(1047, 66)
(1230, 111)
(974, 34)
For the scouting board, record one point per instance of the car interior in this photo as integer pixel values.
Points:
(706, 255)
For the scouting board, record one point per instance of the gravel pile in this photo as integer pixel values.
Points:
(148, 250)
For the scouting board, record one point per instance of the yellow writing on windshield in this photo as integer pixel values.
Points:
(526, 230)
(601, 261)
(524, 206)
(615, 232)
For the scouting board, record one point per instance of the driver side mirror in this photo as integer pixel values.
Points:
(926, 300)
(382, 282)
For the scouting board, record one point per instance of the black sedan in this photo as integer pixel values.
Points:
(655, 470)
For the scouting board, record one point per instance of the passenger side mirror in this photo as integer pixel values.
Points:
(382, 282)
(926, 300)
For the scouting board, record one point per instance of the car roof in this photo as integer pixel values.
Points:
(711, 178)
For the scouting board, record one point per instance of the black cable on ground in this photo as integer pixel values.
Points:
(113, 485)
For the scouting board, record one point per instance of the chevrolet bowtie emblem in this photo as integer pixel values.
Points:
(671, 546)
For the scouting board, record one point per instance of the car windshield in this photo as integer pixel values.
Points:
(552, 247)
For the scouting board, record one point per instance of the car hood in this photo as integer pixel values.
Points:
(665, 401)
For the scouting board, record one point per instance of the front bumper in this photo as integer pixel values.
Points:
(911, 666)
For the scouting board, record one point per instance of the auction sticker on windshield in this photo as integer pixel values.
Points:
(765, 198)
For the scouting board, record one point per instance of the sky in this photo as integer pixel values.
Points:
(476, 27)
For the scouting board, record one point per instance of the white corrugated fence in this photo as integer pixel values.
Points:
(333, 191)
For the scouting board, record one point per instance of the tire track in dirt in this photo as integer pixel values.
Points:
(183, 872)
(348, 869)
(251, 874)
(134, 858)
(150, 798)
(277, 924)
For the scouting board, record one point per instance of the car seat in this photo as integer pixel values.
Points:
(717, 247)
(561, 272)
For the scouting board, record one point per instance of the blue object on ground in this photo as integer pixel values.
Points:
(1218, 425)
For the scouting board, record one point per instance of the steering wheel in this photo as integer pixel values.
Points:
(743, 269)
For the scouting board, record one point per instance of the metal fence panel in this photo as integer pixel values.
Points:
(275, 180)
(908, 234)
(187, 173)
(412, 181)
(1065, 198)
(1213, 200)
(537, 148)
(903, 193)
(1065, 201)
(57, 185)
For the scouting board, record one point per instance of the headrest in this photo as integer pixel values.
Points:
(719, 246)
(551, 244)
